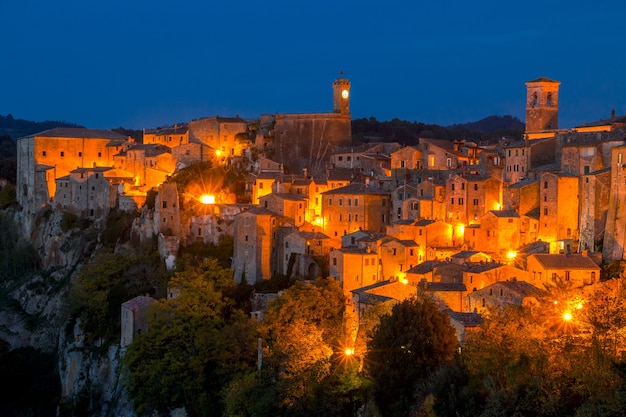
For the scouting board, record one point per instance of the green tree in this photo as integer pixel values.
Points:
(304, 370)
(195, 344)
(405, 348)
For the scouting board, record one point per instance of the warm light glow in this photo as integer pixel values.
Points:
(207, 199)
(319, 221)
(579, 306)
(404, 281)
(349, 351)
(511, 254)
(345, 94)
(567, 316)
(218, 152)
(461, 229)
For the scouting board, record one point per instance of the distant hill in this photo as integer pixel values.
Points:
(487, 130)
(492, 124)
(16, 128)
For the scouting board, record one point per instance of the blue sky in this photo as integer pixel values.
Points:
(140, 64)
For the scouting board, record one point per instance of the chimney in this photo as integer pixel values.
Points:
(305, 171)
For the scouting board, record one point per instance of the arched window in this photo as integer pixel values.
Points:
(549, 99)
(535, 99)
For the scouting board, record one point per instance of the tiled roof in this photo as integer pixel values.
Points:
(81, 132)
(358, 188)
(424, 267)
(504, 213)
(468, 319)
(312, 235)
(424, 222)
(523, 183)
(562, 261)
(445, 286)
(137, 302)
(521, 287)
(543, 80)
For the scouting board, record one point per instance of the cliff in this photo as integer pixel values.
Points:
(35, 312)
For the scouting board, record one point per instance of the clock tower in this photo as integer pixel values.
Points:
(341, 95)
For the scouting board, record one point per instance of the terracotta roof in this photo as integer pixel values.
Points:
(543, 80)
(562, 261)
(521, 287)
(424, 222)
(445, 286)
(468, 319)
(81, 132)
(358, 188)
(286, 196)
(504, 213)
(137, 302)
(311, 235)
(523, 183)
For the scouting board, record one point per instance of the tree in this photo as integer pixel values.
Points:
(195, 344)
(303, 370)
(408, 346)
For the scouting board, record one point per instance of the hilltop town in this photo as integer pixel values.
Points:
(475, 226)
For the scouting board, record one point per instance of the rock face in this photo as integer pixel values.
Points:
(38, 316)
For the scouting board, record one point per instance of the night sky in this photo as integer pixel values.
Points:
(141, 64)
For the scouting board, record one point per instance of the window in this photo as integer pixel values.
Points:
(545, 197)
(567, 276)
(356, 202)
(260, 186)
(330, 201)
(99, 154)
(545, 211)
(554, 276)
(62, 153)
(43, 153)
(545, 184)
(510, 220)
(80, 154)
(475, 201)
(165, 204)
(452, 187)
(340, 158)
(449, 162)
(517, 152)
(341, 201)
(509, 152)
(475, 187)
(619, 158)
(549, 99)
(349, 202)
(246, 238)
(460, 201)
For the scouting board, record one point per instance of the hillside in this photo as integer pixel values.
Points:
(489, 129)
(16, 128)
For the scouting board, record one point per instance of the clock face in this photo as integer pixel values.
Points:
(345, 94)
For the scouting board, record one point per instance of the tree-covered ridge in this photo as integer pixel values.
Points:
(489, 129)
(17, 128)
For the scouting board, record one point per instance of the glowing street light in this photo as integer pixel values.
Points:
(567, 316)
(207, 199)
(349, 351)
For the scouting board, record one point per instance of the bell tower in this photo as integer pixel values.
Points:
(542, 105)
(341, 95)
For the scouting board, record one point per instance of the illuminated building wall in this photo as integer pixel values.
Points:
(558, 207)
(43, 157)
(542, 105)
(615, 235)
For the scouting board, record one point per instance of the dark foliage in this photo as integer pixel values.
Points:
(406, 348)
(137, 135)
(17, 128)
(31, 384)
(488, 129)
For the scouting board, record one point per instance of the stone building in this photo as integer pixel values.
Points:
(522, 157)
(291, 206)
(576, 270)
(228, 136)
(499, 232)
(558, 206)
(594, 206)
(501, 294)
(134, 318)
(614, 245)
(354, 268)
(46, 156)
(306, 140)
(300, 253)
(255, 257)
(542, 106)
(86, 192)
(353, 207)
(396, 256)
